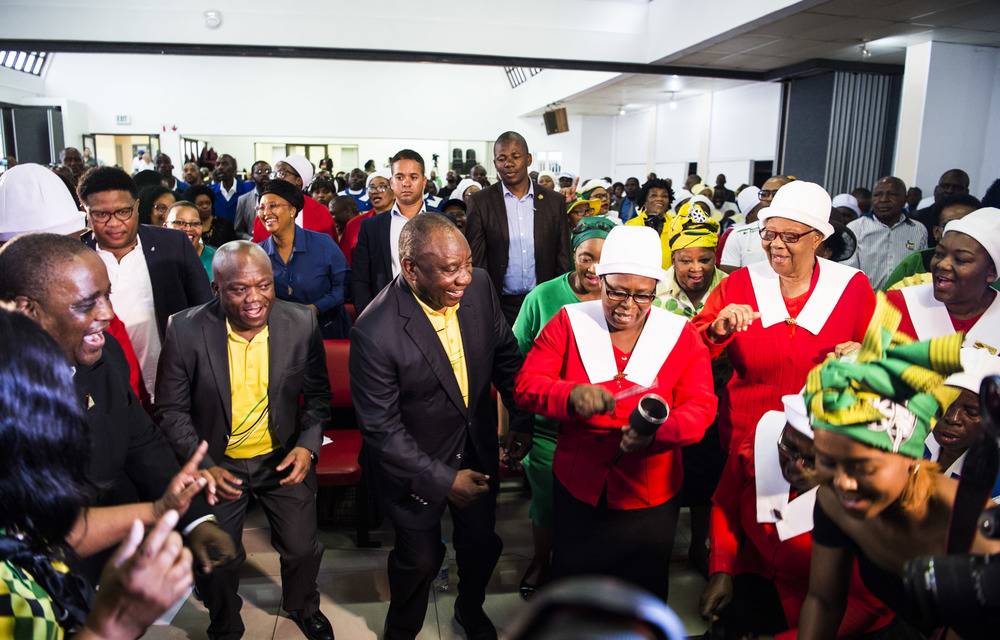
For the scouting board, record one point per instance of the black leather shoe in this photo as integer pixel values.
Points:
(315, 627)
(476, 624)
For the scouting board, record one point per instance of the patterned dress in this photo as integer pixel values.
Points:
(26, 610)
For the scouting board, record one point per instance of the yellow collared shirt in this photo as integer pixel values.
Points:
(248, 379)
(445, 324)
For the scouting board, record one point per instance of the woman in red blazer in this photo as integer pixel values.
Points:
(614, 506)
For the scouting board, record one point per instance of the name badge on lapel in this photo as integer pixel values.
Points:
(90, 401)
(911, 245)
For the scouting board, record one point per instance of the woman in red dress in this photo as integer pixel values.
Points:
(779, 318)
(614, 493)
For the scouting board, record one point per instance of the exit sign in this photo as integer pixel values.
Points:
(123, 118)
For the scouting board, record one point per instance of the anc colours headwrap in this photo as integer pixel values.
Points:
(593, 227)
(889, 394)
(693, 226)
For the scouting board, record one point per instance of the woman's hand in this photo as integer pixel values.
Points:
(633, 441)
(845, 348)
(732, 318)
(141, 581)
(183, 487)
(586, 400)
(717, 595)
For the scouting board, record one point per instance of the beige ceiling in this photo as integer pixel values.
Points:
(836, 29)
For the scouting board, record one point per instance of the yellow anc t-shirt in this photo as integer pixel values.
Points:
(248, 378)
(445, 323)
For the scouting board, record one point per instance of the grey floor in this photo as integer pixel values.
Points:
(355, 591)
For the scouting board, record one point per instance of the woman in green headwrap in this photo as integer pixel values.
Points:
(543, 302)
(878, 501)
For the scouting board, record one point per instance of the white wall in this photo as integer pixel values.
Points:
(722, 131)
(597, 139)
(15, 86)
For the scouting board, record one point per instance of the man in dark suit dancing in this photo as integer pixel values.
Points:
(517, 229)
(231, 373)
(422, 361)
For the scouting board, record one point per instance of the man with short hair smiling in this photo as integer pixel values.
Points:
(246, 206)
(228, 188)
(232, 373)
(517, 229)
(63, 286)
(422, 362)
(297, 170)
(885, 235)
(375, 261)
(154, 272)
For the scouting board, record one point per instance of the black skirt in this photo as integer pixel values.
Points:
(631, 544)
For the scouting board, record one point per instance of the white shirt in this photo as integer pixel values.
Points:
(743, 247)
(228, 193)
(396, 223)
(132, 300)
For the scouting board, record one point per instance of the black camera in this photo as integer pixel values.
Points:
(960, 590)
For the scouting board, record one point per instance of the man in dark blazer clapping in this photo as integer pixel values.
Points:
(232, 372)
(517, 230)
(422, 360)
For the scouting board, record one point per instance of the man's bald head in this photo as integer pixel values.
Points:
(420, 234)
(233, 256)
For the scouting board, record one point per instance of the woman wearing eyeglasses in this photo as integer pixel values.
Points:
(762, 536)
(308, 266)
(779, 318)
(184, 216)
(154, 202)
(614, 490)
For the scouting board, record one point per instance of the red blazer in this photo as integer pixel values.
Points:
(769, 363)
(315, 217)
(740, 544)
(351, 231)
(586, 450)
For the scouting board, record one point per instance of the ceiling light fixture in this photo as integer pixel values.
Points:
(865, 53)
(672, 105)
(621, 111)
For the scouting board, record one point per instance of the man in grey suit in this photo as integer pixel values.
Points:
(423, 356)
(246, 205)
(232, 372)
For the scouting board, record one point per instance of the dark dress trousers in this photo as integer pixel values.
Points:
(194, 403)
(130, 460)
(175, 271)
(488, 233)
(419, 430)
(371, 264)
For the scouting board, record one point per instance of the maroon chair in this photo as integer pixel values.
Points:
(340, 461)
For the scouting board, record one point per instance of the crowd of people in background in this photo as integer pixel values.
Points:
(817, 360)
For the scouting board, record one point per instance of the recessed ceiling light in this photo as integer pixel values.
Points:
(213, 19)
(621, 111)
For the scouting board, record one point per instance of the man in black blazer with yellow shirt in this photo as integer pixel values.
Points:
(517, 230)
(232, 372)
(423, 357)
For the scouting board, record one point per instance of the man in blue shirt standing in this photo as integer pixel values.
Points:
(227, 187)
(517, 230)
(627, 208)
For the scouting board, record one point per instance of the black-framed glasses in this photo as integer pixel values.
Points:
(381, 189)
(182, 224)
(641, 299)
(161, 208)
(808, 462)
(766, 194)
(284, 173)
(786, 236)
(122, 214)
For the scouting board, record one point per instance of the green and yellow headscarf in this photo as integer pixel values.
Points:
(889, 394)
(693, 226)
(593, 227)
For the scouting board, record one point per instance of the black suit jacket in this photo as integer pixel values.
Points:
(175, 271)
(193, 394)
(130, 460)
(409, 405)
(371, 264)
(489, 237)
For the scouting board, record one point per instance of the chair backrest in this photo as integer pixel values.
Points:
(337, 354)
(352, 312)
